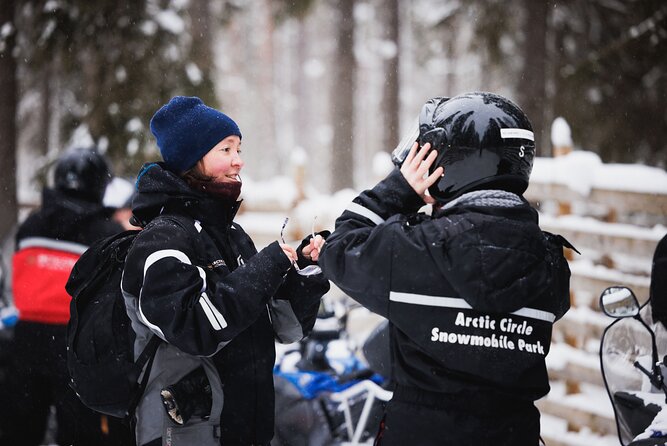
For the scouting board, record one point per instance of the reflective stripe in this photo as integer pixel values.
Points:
(534, 313)
(433, 301)
(214, 317)
(164, 253)
(49, 243)
(517, 133)
(457, 302)
(202, 274)
(359, 209)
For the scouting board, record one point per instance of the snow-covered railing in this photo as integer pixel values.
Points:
(580, 177)
(620, 201)
(615, 215)
(611, 238)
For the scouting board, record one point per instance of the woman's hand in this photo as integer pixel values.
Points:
(312, 251)
(415, 167)
(289, 252)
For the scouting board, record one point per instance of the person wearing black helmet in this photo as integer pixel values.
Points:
(83, 174)
(48, 244)
(471, 291)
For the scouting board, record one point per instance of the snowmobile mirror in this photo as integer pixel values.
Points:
(619, 302)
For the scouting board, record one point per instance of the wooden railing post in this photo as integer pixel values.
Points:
(561, 140)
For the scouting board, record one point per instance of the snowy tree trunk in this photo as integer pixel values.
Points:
(391, 95)
(344, 75)
(8, 105)
(532, 90)
(201, 51)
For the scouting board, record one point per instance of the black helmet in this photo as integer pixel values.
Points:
(83, 173)
(484, 141)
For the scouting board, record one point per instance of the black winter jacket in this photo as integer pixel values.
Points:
(471, 293)
(65, 218)
(212, 297)
(659, 282)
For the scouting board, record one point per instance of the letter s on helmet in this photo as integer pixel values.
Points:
(484, 141)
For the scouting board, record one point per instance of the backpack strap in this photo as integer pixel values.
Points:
(145, 359)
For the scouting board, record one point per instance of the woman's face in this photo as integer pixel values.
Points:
(223, 162)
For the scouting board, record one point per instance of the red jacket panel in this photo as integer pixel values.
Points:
(39, 275)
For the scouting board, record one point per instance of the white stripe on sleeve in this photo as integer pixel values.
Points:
(216, 319)
(214, 316)
(359, 209)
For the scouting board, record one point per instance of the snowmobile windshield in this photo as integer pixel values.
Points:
(634, 400)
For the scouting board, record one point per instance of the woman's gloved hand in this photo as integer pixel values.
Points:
(309, 249)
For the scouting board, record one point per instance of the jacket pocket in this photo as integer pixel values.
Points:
(200, 432)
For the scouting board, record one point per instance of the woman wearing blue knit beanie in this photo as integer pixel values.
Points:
(194, 279)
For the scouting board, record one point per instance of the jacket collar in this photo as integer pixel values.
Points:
(161, 191)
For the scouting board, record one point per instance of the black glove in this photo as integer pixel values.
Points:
(191, 396)
(303, 261)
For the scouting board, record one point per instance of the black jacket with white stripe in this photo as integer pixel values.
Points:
(471, 293)
(208, 293)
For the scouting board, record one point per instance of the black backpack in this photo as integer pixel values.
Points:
(100, 338)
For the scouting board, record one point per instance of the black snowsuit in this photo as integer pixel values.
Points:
(471, 295)
(47, 244)
(217, 303)
(659, 282)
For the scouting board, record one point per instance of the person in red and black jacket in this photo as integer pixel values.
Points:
(48, 244)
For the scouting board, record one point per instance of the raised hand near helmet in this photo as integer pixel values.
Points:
(416, 166)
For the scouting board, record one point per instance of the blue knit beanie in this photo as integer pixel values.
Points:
(186, 129)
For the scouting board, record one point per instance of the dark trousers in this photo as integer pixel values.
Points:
(458, 421)
(37, 379)
(158, 442)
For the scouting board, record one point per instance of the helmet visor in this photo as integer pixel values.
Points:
(403, 148)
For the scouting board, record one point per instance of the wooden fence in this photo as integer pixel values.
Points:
(614, 252)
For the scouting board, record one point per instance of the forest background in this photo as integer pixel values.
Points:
(335, 80)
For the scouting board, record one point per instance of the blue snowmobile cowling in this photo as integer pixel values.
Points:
(311, 384)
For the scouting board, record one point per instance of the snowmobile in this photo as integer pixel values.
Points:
(633, 368)
(325, 394)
